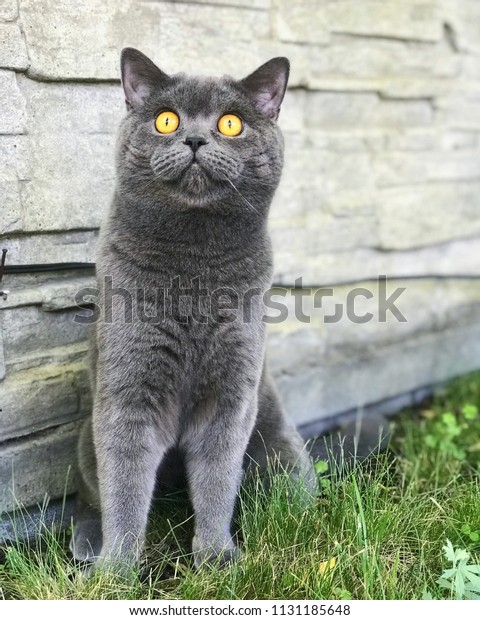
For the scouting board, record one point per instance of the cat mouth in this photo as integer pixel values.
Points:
(196, 178)
(196, 168)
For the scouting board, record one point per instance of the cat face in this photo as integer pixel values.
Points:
(198, 140)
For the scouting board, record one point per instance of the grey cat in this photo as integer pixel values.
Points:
(183, 375)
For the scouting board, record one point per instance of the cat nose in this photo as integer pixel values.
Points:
(195, 142)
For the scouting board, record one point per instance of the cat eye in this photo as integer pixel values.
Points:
(230, 125)
(167, 122)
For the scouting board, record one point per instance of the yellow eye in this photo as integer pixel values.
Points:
(230, 125)
(167, 122)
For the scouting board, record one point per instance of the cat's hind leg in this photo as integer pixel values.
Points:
(276, 446)
(86, 541)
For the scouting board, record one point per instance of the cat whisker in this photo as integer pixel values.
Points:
(151, 182)
(242, 196)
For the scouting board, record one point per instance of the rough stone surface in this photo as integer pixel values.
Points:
(318, 267)
(2, 358)
(62, 247)
(58, 294)
(66, 161)
(396, 169)
(28, 328)
(334, 110)
(375, 59)
(72, 108)
(13, 162)
(254, 4)
(56, 32)
(38, 468)
(12, 104)
(11, 206)
(409, 20)
(54, 357)
(313, 391)
(299, 22)
(13, 52)
(441, 213)
(8, 10)
(38, 398)
(73, 177)
(464, 20)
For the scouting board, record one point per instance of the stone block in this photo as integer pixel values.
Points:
(13, 52)
(73, 176)
(414, 216)
(12, 104)
(348, 322)
(54, 357)
(306, 22)
(316, 179)
(409, 20)
(415, 168)
(314, 392)
(341, 110)
(8, 10)
(463, 18)
(61, 247)
(249, 4)
(470, 69)
(43, 397)
(28, 329)
(70, 154)
(378, 59)
(13, 162)
(74, 109)
(56, 33)
(300, 22)
(430, 359)
(11, 205)
(14, 159)
(324, 233)
(321, 268)
(430, 139)
(54, 295)
(460, 110)
(424, 307)
(38, 467)
(2, 358)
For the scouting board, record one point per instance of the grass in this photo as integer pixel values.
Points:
(377, 531)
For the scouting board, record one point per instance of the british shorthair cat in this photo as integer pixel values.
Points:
(178, 352)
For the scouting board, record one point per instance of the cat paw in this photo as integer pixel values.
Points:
(208, 555)
(86, 542)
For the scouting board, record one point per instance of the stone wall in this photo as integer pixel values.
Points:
(382, 176)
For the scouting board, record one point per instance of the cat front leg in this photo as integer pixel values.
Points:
(129, 448)
(214, 451)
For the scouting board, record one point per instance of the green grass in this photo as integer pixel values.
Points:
(385, 523)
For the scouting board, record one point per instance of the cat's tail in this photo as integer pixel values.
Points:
(351, 443)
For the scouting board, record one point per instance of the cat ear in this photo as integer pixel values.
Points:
(139, 76)
(268, 84)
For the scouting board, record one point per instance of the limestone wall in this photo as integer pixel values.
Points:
(382, 176)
